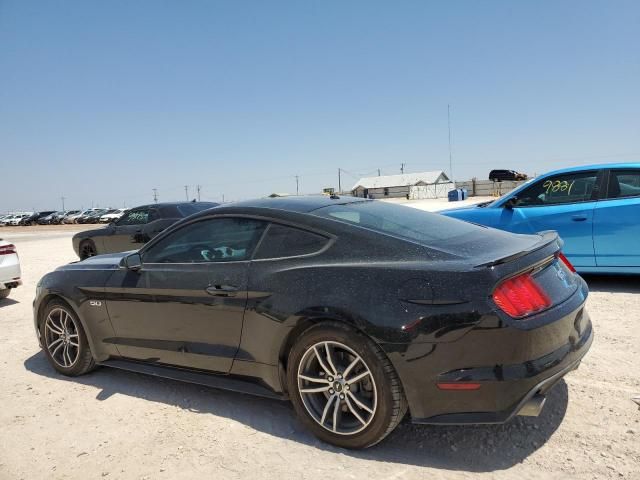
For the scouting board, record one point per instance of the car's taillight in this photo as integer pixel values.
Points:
(566, 261)
(520, 296)
(8, 249)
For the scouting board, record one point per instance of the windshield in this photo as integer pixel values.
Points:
(400, 221)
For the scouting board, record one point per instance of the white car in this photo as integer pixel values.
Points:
(16, 218)
(113, 215)
(9, 268)
(7, 219)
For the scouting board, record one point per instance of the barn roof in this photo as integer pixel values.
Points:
(437, 176)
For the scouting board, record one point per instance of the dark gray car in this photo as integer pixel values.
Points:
(134, 228)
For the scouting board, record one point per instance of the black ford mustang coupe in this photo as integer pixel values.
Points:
(135, 228)
(357, 311)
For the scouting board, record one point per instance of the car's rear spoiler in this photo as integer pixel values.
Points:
(546, 238)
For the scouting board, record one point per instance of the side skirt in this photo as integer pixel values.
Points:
(221, 381)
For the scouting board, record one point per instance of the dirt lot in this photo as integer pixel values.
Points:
(116, 424)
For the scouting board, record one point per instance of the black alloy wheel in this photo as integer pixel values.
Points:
(87, 249)
(64, 341)
(343, 387)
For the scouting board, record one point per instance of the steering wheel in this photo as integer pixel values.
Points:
(204, 252)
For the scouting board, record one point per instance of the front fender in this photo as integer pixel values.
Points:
(93, 316)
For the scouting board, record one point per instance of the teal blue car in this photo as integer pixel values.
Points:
(595, 209)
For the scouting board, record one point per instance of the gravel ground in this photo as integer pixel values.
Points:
(116, 424)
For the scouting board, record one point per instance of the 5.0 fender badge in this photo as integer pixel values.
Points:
(95, 303)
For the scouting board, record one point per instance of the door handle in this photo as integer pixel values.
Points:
(578, 218)
(222, 290)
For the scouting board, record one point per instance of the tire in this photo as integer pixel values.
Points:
(64, 341)
(4, 293)
(87, 249)
(353, 354)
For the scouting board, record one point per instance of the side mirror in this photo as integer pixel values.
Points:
(133, 262)
(511, 202)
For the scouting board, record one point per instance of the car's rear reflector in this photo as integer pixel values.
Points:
(520, 296)
(566, 261)
(458, 386)
(8, 249)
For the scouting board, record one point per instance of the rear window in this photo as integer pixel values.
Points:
(403, 222)
(281, 241)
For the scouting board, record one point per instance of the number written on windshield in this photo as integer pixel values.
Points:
(558, 186)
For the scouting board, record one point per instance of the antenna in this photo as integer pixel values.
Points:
(339, 182)
(198, 188)
(449, 125)
(186, 192)
(402, 168)
(297, 186)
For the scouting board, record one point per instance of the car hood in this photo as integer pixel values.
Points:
(94, 232)
(110, 261)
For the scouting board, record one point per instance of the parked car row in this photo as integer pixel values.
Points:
(51, 217)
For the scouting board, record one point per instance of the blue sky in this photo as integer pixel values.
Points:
(103, 101)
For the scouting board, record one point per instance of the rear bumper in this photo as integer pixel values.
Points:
(10, 274)
(569, 358)
(507, 362)
(10, 284)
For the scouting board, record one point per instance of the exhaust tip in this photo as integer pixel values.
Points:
(533, 407)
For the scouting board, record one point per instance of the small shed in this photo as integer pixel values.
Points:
(412, 186)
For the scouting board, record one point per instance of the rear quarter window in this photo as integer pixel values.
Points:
(282, 241)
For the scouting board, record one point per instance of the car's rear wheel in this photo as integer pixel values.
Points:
(4, 293)
(343, 387)
(87, 249)
(64, 341)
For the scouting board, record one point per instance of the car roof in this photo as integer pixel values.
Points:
(599, 166)
(172, 204)
(298, 204)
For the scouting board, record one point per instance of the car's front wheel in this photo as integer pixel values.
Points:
(343, 387)
(87, 249)
(64, 340)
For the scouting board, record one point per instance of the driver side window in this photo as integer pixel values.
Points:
(134, 217)
(561, 189)
(210, 240)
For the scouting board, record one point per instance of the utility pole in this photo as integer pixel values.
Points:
(198, 188)
(63, 199)
(223, 198)
(378, 172)
(339, 182)
(297, 186)
(155, 195)
(186, 192)
(449, 125)
(402, 168)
